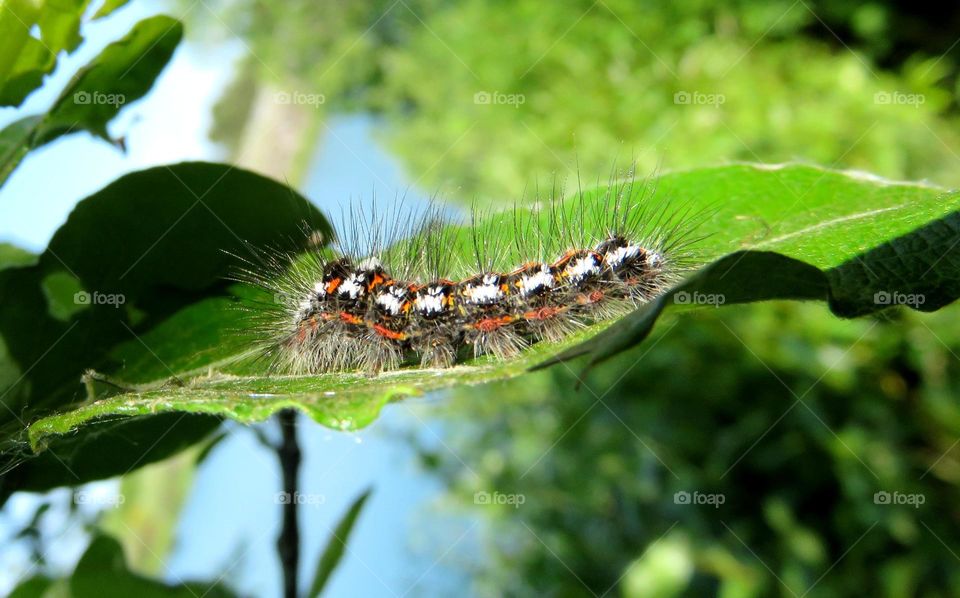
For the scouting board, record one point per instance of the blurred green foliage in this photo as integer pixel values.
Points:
(583, 82)
(797, 419)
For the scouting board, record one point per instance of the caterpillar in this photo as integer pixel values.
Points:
(393, 294)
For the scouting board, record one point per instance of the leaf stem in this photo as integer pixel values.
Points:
(288, 543)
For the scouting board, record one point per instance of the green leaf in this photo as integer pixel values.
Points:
(16, 140)
(122, 73)
(60, 24)
(342, 401)
(24, 59)
(117, 447)
(792, 232)
(35, 587)
(108, 7)
(336, 545)
(102, 573)
(923, 263)
(873, 239)
(12, 256)
(155, 242)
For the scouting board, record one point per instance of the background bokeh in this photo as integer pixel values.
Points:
(797, 421)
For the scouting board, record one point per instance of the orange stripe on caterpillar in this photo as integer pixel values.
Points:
(491, 324)
(544, 313)
(387, 333)
(350, 318)
(377, 281)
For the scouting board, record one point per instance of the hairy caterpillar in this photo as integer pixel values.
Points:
(396, 293)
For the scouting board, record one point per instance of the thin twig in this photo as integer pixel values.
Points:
(288, 544)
